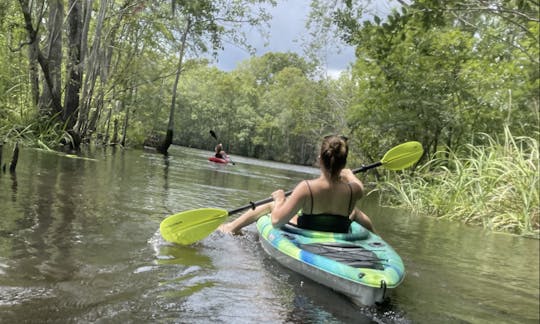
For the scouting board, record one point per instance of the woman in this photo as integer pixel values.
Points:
(325, 204)
(220, 153)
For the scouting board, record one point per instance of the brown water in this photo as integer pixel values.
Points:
(79, 242)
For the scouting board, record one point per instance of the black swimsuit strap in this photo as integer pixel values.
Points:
(311, 194)
(350, 198)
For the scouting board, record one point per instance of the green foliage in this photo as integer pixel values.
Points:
(439, 71)
(494, 185)
(14, 83)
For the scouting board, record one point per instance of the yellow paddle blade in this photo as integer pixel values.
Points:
(403, 156)
(191, 226)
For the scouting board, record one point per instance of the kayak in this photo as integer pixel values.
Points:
(358, 264)
(218, 160)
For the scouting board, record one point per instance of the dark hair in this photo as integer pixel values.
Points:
(333, 155)
(219, 148)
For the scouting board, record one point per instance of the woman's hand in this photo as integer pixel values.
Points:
(278, 196)
(347, 173)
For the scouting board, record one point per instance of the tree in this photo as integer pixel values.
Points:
(438, 71)
(202, 25)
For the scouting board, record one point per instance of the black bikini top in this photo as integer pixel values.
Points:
(326, 222)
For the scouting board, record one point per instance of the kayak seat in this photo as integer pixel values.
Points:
(350, 254)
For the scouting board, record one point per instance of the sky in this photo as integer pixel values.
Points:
(287, 29)
(285, 35)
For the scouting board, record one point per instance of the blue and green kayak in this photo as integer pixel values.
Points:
(358, 264)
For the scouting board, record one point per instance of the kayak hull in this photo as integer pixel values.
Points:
(358, 264)
(218, 160)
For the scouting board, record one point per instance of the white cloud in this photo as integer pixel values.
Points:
(286, 33)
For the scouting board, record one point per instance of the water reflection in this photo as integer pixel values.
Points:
(182, 255)
(13, 177)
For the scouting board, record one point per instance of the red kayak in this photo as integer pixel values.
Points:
(218, 160)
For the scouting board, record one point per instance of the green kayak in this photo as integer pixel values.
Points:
(358, 264)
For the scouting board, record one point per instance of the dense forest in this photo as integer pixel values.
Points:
(455, 75)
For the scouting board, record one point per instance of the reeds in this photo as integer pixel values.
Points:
(495, 185)
(44, 132)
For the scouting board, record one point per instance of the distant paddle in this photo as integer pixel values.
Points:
(215, 137)
(193, 225)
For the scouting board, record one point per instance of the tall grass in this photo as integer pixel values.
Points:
(44, 132)
(495, 185)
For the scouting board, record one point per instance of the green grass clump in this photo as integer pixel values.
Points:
(495, 185)
(44, 132)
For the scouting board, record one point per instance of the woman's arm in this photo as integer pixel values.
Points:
(358, 216)
(285, 208)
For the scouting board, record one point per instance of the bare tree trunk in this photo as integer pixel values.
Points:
(104, 62)
(115, 131)
(124, 131)
(53, 55)
(108, 123)
(133, 98)
(93, 69)
(96, 115)
(33, 50)
(164, 147)
(74, 77)
(33, 71)
(33, 40)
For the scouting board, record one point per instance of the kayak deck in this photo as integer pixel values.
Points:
(358, 264)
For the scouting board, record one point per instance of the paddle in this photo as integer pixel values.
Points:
(193, 225)
(215, 137)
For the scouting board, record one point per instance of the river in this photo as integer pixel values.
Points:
(80, 243)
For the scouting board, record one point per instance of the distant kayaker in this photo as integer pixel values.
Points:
(220, 153)
(326, 203)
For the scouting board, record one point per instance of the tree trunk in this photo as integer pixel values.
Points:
(33, 71)
(35, 52)
(104, 63)
(74, 75)
(114, 140)
(96, 115)
(93, 68)
(164, 147)
(124, 131)
(53, 55)
(126, 119)
(108, 123)
(115, 132)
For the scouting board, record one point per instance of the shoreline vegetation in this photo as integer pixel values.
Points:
(494, 185)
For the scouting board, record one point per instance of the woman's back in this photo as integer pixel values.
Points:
(330, 198)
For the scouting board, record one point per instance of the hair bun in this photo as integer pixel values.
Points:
(334, 151)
